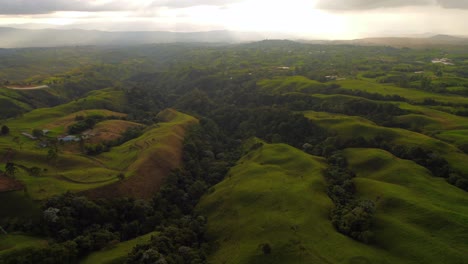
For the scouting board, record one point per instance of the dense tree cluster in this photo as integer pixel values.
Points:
(351, 216)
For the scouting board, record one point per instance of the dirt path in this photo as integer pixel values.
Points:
(27, 87)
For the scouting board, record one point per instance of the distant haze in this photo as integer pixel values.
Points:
(312, 19)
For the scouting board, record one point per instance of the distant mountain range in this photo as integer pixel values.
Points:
(20, 38)
(13, 37)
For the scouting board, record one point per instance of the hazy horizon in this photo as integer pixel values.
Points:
(317, 19)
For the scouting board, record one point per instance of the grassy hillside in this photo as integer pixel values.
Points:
(117, 253)
(419, 217)
(277, 195)
(102, 99)
(13, 242)
(289, 84)
(146, 160)
(346, 127)
(411, 94)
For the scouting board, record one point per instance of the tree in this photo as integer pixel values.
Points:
(52, 155)
(426, 83)
(10, 169)
(37, 133)
(5, 130)
(266, 249)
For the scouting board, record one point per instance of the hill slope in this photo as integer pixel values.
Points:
(277, 195)
(148, 158)
(419, 217)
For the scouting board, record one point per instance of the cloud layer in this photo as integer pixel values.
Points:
(356, 5)
(19, 7)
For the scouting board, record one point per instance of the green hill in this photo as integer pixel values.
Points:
(418, 217)
(348, 127)
(277, 195)
(117, 253)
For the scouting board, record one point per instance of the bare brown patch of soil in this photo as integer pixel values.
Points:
(8, 184)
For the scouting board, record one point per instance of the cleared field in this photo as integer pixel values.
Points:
(117, 253)
(419, 218)
(148, 159)
(303, 84)
(110, 130)
(411, 94)
(60, 125)
(277, 195)
(289, 84)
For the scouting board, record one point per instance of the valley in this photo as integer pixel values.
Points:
(272, 151)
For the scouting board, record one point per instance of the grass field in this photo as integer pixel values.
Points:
(419, 217)
(13, 242)
(303, 84)
(117, 253)
(288, 84)
(109, 130)
(410, 94)
(277, 195)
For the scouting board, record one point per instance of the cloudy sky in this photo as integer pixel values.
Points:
(330, 19)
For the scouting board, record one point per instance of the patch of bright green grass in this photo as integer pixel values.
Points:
(117, 253)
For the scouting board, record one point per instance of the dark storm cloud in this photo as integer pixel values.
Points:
(16, 7)
(345, 5)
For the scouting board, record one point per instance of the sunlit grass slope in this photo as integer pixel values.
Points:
(117, 253)
(277, 195)
(419, 218)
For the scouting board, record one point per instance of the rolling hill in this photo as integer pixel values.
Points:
(276, 195)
